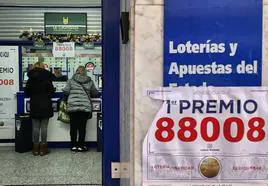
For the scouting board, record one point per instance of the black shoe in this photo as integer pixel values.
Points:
(82, 149)
(74, 149)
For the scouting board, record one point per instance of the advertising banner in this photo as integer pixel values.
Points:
(213, 42)
(65, 23)
(9, 85)
(66, 49)
(208, 134)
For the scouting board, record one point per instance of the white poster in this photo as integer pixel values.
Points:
(9, 86)
(66, 49)
(208, 134)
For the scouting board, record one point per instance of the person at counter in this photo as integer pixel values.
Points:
(40, 89)
(79, 90)
(57, 76)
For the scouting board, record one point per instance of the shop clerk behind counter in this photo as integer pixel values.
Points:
(57, 75)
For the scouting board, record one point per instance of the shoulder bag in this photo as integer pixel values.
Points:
(90, 113)
(63, 114)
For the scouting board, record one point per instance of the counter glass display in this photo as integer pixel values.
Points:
(63, 69)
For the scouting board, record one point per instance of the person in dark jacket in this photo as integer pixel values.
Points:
(40, 89)
(79, 89)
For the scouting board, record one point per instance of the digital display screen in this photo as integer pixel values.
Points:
(100, 82)
(25, 76)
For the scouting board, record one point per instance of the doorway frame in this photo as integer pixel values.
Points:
(111, 88)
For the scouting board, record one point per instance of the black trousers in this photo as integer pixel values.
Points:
(78, 122)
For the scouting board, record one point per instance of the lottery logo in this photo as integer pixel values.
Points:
(209, 167)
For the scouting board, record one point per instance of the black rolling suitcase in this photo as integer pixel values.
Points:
(23, 133)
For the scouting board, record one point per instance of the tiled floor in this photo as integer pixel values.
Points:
(61, 166)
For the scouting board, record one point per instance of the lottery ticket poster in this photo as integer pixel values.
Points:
(208, 134)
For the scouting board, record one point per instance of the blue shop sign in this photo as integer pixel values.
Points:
(213, 42)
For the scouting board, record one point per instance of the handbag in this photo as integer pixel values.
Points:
(90, 113)
(63, 114)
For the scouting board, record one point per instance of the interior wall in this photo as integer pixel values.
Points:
(15, 20)
(71, 3)
(124, 98)
(147, 71)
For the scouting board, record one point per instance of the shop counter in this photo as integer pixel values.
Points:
(57, 130)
